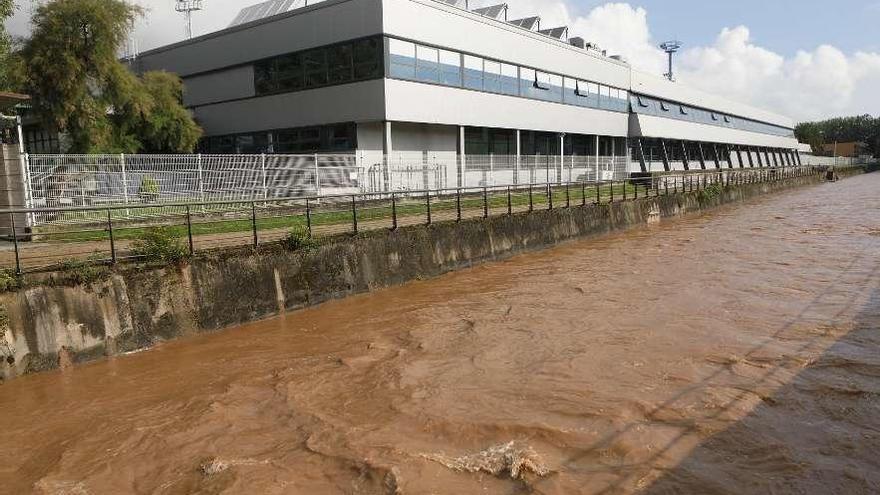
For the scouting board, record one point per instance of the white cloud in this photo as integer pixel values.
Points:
(814, 83)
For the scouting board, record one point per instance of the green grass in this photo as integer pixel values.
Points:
(339, 215)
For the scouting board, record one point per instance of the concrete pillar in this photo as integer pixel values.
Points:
(561, 168)
(613, 157)
(386, 151)
(462, 157)
(518, 164)
(597, 157)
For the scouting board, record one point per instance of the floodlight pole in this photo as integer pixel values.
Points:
(670, 47)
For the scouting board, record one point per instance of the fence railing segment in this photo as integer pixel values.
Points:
(107, 234)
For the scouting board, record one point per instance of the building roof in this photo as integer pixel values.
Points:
(9, 100)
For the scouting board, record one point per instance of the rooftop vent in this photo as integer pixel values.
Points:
(620, 58)
(578, 42)
(494, 11)
(560, 33)
(530, 23)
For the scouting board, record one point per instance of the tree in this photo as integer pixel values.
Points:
(864, 128)
(81, 88)
(6, 10)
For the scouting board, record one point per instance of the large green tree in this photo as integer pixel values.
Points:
(81, 88)
(6, 10)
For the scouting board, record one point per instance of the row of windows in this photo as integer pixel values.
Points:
(324, 66)
(326, 138)
(502, 142)
(651, 106)
(434, 65)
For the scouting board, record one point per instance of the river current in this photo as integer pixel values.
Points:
(732, 352)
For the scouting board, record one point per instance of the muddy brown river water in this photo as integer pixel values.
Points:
(733, 352)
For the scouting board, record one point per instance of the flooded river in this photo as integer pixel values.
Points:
(734, 352)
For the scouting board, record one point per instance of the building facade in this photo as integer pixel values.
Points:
(402, 81)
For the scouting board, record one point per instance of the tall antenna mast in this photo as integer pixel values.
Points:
(670, 47)
(187, 7)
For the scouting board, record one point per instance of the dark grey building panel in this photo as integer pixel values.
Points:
(357, 102)
(321, 24)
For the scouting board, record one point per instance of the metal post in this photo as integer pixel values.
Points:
(354, 214)
(531, 203)
(189, 231)
(624, 190)
(598, 197)
(317, 177)
(254, 221)
(549, 197)
(611, 200)
(393, 211)
(124, 178)
(201, 178)
(112, 241)
(428, 205)
(485, 203)
(15, 243)
(567, 196)
(263, 168)
(309, 217)
(583, 194)
(458, 205)
(509, 203)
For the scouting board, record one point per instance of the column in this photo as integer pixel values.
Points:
(597, 157)
(518, 158)
(561, 166)
(462, 157)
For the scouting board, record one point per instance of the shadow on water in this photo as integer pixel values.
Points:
(816, 434)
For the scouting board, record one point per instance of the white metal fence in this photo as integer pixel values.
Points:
(98, 180)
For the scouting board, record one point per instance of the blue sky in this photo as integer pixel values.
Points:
(784, 26)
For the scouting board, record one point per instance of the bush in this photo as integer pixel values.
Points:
(79, 272)
(161, 244)
(299, 239)
(149, 189)
(9, 281)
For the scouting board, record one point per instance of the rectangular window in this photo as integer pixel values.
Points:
(289, 74)
(473, 72)
(315, 62)
(683, 109)
(402, 57)
(450, 68)
(509, 79)
(368, 58)
(340, 64)
(491, 76)
(664, 106)
(542, 80)
(427, 64)
(527, 82)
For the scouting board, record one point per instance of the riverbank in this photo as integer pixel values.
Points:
(50, 325)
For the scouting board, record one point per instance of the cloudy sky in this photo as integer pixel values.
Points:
(803, 58)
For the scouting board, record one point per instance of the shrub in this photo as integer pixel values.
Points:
(9, 281)
(710, 192)
(79, 272)
(299, 239)
(149, 189)
(161, 244)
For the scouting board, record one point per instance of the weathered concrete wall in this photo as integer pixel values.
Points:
(136, 308)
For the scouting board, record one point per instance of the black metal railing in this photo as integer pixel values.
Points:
(110, 234)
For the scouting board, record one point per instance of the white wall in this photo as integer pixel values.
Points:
(417, 102)
(433, 22)
(651, 85)
(659, 127)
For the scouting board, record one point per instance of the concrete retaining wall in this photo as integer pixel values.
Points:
(47, 326)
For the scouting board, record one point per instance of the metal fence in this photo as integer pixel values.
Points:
(103, 180)
(108, 234)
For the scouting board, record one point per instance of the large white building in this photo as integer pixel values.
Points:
(396, 80)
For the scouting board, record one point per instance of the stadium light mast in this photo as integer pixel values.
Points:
(670, 47)
(187, 7)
